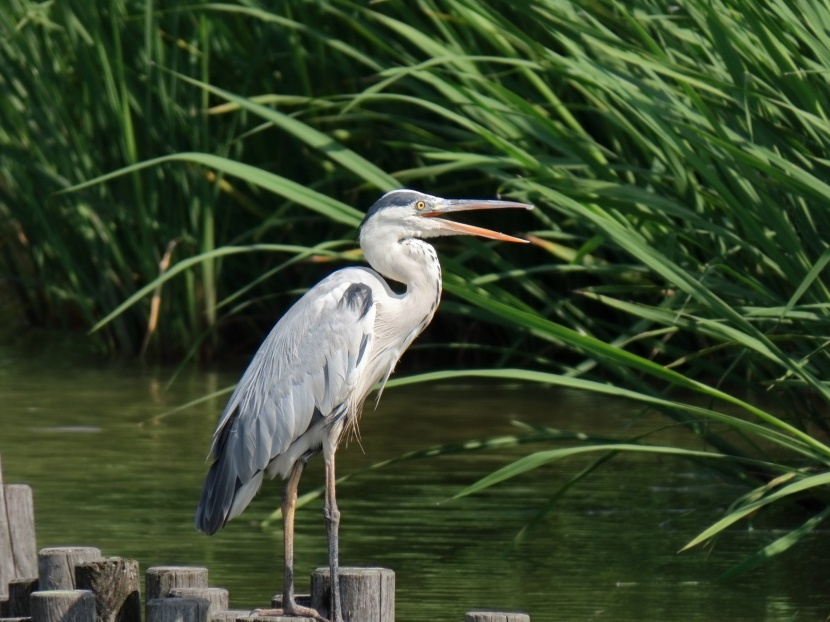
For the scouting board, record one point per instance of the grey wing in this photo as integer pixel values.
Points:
(299, 380)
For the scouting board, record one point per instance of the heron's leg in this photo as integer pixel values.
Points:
(289, 504)
(332, 524)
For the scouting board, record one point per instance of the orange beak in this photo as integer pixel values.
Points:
(461, 205)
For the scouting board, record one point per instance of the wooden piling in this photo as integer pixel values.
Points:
(20, 512)
(216, 597)
(162, 579)
(6, 558)
(63, 606)
(177, 610)
(20, 592)
(56, 565)
(115, 583)
(496, 616)
(366, 594)
(18, 557)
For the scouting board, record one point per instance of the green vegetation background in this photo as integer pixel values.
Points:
(177, 175)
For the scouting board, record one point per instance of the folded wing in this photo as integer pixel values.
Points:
(297, 386)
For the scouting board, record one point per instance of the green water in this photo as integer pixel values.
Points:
(607, 552)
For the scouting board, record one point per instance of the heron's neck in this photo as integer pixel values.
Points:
(412, 262)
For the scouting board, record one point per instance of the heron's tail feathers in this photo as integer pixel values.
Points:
(224, 496)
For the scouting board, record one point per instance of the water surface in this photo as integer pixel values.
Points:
(608, 550)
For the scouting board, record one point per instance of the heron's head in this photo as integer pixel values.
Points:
(409, 214)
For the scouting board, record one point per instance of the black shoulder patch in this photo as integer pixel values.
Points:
(359, 298)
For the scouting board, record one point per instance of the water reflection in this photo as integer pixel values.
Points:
(607, 551)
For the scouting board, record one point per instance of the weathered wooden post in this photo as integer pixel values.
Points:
(18, 553)
(63, 606)
(496, 616)
(216, 597)
(56, 565)
(20, 592)
(6, 558)
(162, 579)
(20, 513)
(366, 594)
(115, 583)
(177, 610)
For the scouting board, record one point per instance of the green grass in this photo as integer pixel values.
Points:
(676, 155)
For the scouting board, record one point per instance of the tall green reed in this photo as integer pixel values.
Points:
(94, 89)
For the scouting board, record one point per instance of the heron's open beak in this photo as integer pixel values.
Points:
(460, 205)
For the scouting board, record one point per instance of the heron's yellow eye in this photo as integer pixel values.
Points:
(420, 205)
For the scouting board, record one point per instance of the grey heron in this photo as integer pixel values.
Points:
(307, 382)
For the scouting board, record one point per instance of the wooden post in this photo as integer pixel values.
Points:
(216, 597)
(6, 558)
(177, 610)
(366, 594)
(20, 592)
(63, 606)
(114, 581)
(496, 616)
(56, 565)
(18, 558)
(20, 511)
(162, 579)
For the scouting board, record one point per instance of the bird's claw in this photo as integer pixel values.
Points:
(297, 611)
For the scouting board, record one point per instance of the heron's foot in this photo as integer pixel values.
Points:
(293, 610)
